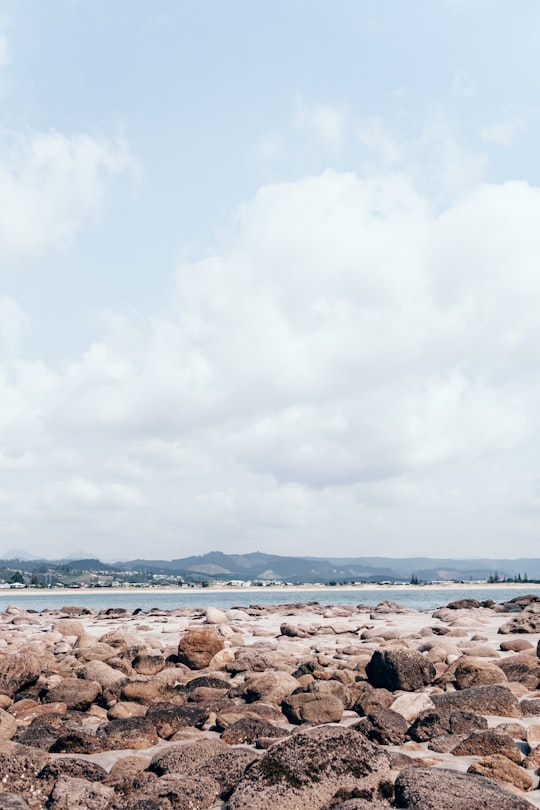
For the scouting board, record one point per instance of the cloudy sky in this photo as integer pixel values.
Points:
(270, 277)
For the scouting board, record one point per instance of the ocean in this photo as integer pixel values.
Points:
(146, 599)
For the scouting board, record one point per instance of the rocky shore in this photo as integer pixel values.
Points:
(290, 707)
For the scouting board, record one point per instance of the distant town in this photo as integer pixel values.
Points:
(216, 569)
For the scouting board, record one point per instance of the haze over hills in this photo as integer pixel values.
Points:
(258, 566)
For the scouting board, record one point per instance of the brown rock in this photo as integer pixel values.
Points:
(523, 668)
(499, 768)
(250, 730)
(197, 647)
(384, 726)
(13, 801)
(516, 645)
(149, 664)
(18, 671)
(70, 792)
(473, 672)
(313, 708)
(75, 693)
(443, 720)
(125, 769)
(485, 743)
(269, 687)
(309, 768)
(367, 698)
(8, 726)
(124, 709)
(441, 789)
(497, 700)
(134, 732)
(168, 719)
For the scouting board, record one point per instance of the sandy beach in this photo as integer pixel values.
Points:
(210, 708)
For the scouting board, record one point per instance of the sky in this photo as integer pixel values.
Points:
(270, 277)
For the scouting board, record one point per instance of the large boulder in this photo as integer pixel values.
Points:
(395, 669)
(308, 769)
(441, 789)
(197, 647)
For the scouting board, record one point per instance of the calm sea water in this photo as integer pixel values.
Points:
(417, 598)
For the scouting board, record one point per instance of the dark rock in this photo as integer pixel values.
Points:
(441, 789)
(530, 708)
(394, 669)
(497, 700)
(78, 742)
(70, 766)
(145, 664)
(249, 730)
(208, 682)
(19, 769)
(443, 720)
(384, 726)
(309, 768)
(168, 719)
(133, 732)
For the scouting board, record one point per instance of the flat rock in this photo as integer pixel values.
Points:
(490, 700)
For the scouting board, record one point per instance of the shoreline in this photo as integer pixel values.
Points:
(130, 589)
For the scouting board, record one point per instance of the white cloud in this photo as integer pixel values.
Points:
(355, 360)
(328, 124)
(510, 126)
(50, 184)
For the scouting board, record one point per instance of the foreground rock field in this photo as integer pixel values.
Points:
(293, 707)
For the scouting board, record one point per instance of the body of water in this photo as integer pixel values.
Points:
(417, 598)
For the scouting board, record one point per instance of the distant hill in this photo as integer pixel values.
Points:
(257, 566)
